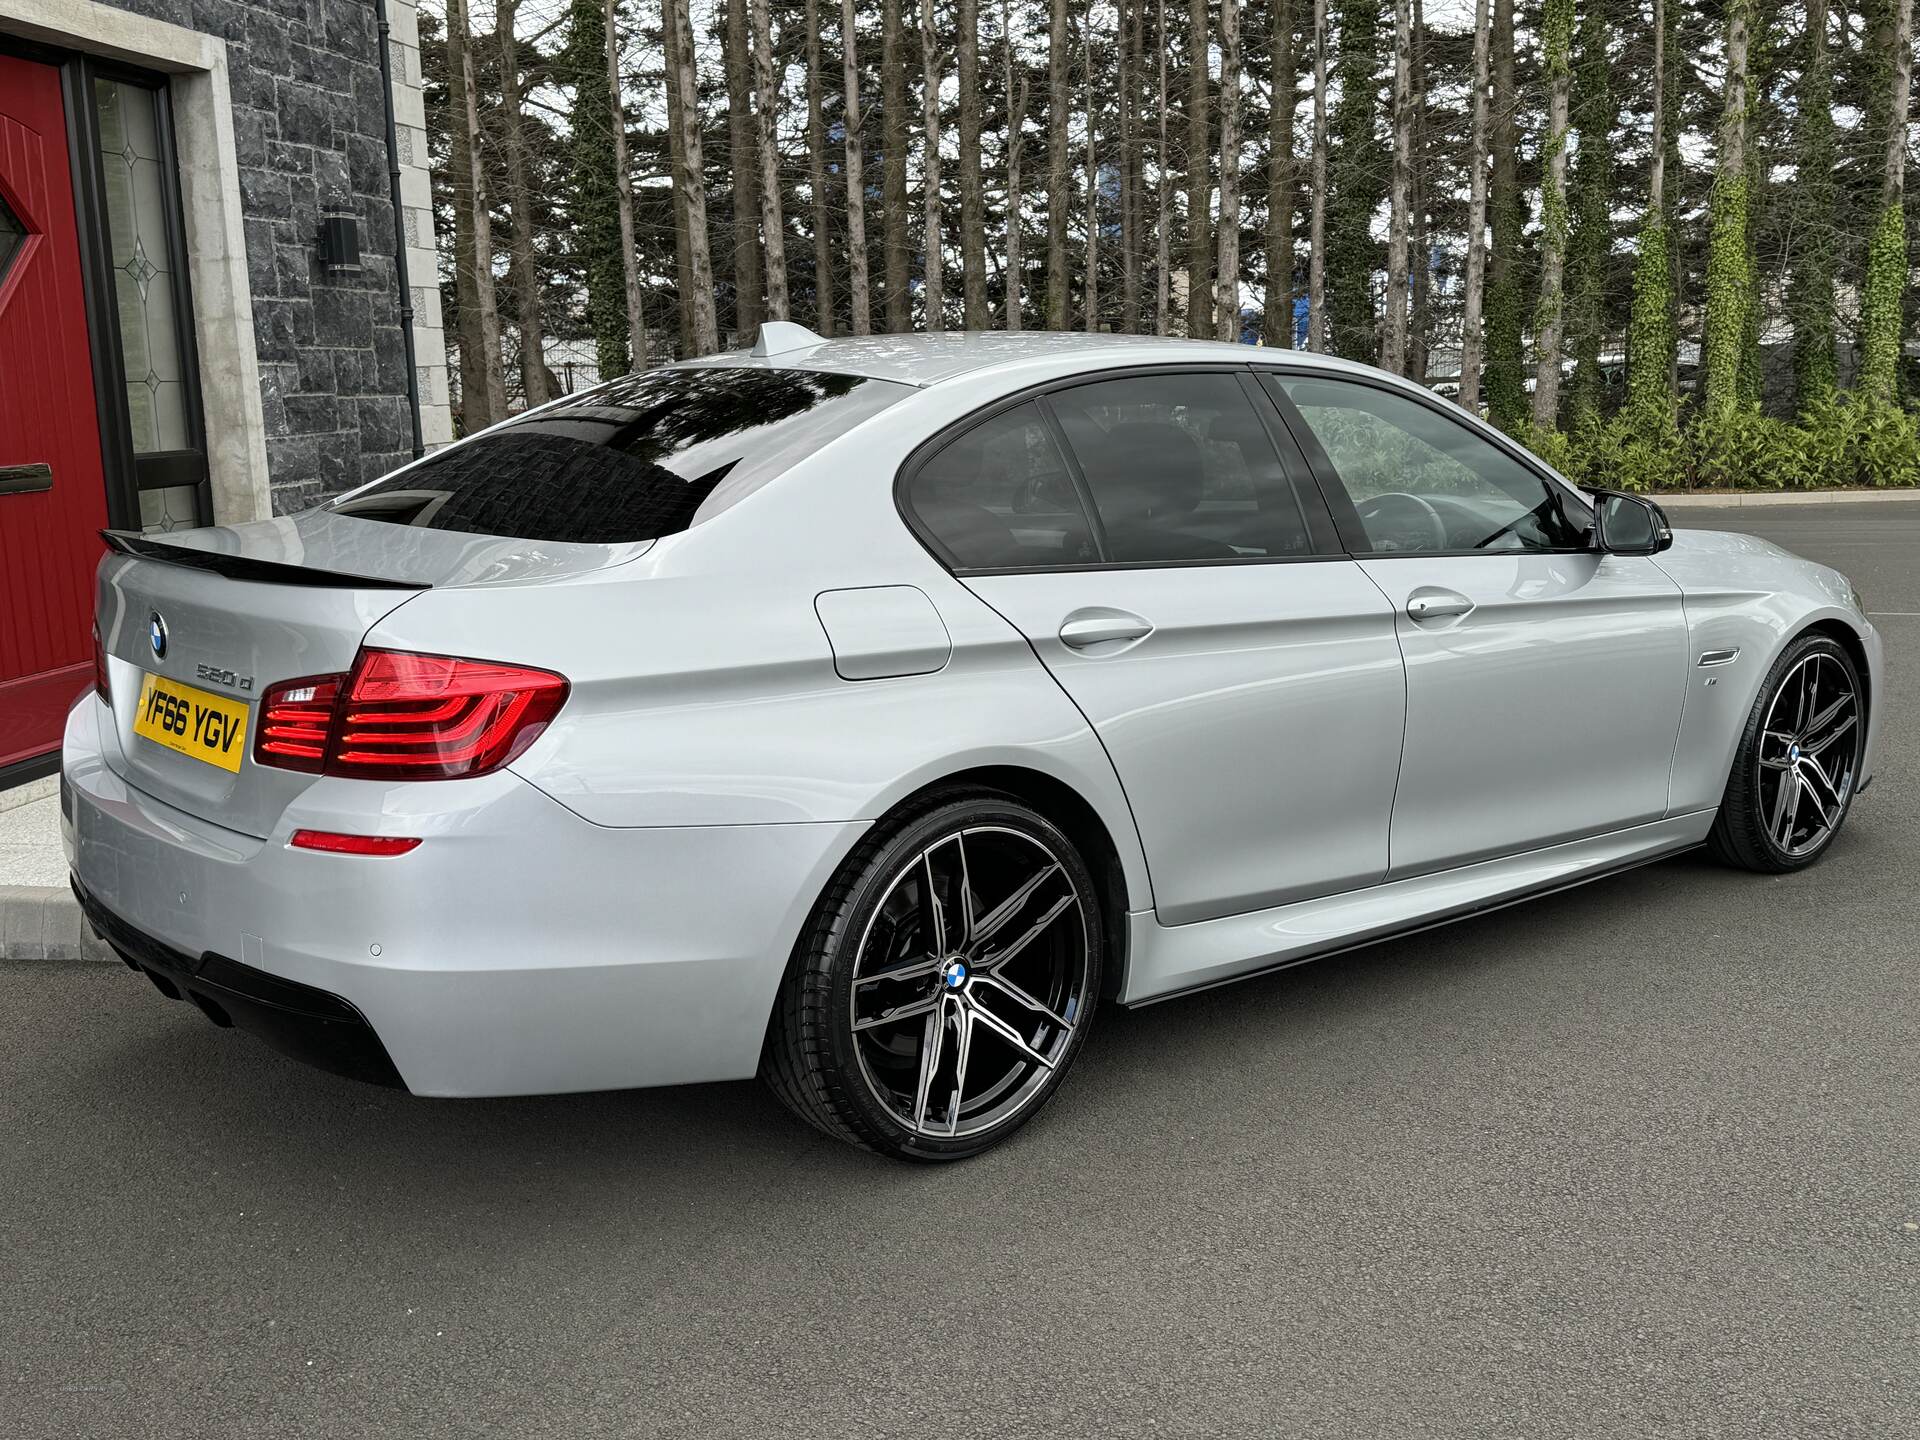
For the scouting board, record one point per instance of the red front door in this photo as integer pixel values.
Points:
(52, 495)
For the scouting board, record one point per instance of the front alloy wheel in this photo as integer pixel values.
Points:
(1799, 757)
(945, 984)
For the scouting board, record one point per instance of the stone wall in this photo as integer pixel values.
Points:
(310, 137)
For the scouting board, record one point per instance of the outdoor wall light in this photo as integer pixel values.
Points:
(340, 243)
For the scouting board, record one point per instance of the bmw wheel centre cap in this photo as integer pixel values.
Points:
(955, 974)
(157, 635)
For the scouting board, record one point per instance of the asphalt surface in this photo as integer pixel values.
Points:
(1643, 1159)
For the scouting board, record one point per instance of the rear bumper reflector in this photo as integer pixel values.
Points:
(337, 844)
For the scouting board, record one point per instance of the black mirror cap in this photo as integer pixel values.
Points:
(1628, 524)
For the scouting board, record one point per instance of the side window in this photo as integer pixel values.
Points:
(1420, 481)
(1181, 468)
(1000, 497)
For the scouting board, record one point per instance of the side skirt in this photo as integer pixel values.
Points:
(1170, 960)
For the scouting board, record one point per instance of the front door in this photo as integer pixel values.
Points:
(1149, 539)
(1544, 680)
(52, 495)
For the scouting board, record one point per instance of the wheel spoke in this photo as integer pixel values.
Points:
(963, 1049)
(1782, 742)
(929, 1060)
(1786, 806)
(1021, 997)
(1809, 682)
(1053, 912)
(934, 908)
(1819, 789)
(1012, 1036)
(913, 969)
(898, 1013)
(1833, 733)
(997, 918)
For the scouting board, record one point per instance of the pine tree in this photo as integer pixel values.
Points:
(1556, 46)
(1276, 327)
(1506, 293)
(596, 205)
(1591, 241)
(1473, 299)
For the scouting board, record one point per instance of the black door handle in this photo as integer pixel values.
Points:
(25, 479)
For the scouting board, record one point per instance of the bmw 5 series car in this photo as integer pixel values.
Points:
(869, 713)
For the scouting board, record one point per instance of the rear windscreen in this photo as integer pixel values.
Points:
(631, 460)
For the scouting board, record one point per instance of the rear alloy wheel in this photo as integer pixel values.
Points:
(945, 984)
(1799, 757)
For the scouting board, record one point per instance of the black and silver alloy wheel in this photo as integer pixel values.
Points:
(1793, 778)
(946, 984)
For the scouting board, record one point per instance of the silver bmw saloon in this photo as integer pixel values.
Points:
(867, 713)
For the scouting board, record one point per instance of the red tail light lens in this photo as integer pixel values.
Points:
(296, 718)
(334, 843)
(100, 666)
(400, 716)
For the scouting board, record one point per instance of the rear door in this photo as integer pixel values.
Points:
(1148, 534)
(52, 496)
(1544, 679)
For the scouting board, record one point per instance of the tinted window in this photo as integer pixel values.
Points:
(1181, 468)
(1001, 497)
(1421, 481)
(634, 459)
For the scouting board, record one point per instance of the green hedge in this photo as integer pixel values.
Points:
(1841, 440)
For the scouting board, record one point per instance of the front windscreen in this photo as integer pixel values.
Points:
(633, 459)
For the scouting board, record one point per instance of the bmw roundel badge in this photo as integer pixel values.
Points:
(157, 635)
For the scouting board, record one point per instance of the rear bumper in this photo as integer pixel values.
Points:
(310, 1025)
(518, 950)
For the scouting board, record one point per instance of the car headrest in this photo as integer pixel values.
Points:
(1148, 470)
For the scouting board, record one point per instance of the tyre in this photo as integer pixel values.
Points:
(1794, 772)
(944, 984)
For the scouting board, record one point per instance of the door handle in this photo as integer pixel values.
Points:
(25, 479)
(1437, 604)
(1081, 632)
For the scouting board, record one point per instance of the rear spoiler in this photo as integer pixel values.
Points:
(246, 567)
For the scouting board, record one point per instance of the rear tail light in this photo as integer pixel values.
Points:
(100, 666)
(399, 716)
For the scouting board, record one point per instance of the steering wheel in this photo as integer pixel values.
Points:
(1399, 521)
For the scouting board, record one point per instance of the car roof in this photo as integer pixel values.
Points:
(928, 359)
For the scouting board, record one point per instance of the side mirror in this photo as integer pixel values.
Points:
(1626, 524)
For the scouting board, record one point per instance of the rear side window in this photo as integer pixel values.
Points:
(634, 459)
(1001, 497)
(1181, 468)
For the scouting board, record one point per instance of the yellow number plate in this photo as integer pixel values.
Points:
(195, 722)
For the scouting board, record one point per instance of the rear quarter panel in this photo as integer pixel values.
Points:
(704, 686)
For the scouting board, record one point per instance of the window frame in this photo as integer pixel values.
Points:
(1324, 540)
(1339, 503)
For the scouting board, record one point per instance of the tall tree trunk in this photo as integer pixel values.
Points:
(1393, 351)
(1556, 42)
(692, 183)
(973, 206)
(1592, 238)
(1092, 295)
(861, 320)
(1016, 96)
(1163, 218)
(1226, 306)
(773, 223)
(1727, 273)
(1058, 60)
(1474, 296)
(1650, 329)
(1882, 309)
(522, 265)
(1357, 186)
(1199, 177)
(1317, 225)
(1505, 379)
(623, 196)
(1276, 328)
(677, 162)
(817, 179)
(1130, 176)
(935, 270)
(1420, 276)
(898, 244)
(489, 384)
(743, 163)
(1810, 298)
